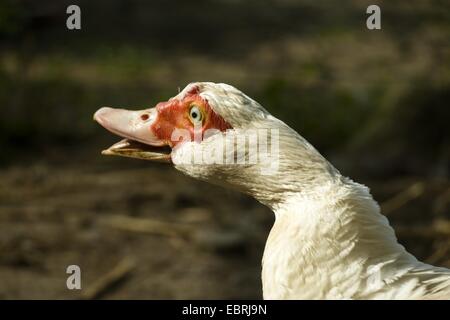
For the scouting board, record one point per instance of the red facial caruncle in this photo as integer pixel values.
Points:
(192, 113)
(155, 127)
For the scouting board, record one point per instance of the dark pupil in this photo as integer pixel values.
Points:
(194, 114)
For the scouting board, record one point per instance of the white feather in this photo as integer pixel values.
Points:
(329, 239)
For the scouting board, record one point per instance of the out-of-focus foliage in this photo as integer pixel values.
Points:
(11, 18)
(311, 63)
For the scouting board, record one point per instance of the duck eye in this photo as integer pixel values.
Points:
(195, 114)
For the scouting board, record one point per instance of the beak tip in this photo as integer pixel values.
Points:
(106, 152)
(100, 112)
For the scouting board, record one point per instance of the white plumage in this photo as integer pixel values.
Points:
(329, 239)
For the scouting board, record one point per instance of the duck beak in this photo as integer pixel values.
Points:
(136, 127)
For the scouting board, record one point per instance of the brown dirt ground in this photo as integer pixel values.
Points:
(52, 216)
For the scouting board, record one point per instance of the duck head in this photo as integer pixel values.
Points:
(152, 134)
(216, 133)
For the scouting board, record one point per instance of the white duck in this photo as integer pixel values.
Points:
(329, 239)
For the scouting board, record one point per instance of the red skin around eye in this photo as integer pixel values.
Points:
(174, 114)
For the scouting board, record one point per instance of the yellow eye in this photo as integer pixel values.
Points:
(196, 115)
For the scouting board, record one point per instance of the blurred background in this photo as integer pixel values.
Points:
(375, 103)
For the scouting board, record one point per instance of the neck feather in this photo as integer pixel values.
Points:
(332, 243)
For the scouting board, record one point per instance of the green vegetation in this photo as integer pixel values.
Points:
(319, 69)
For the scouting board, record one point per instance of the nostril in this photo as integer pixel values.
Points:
(144, 117)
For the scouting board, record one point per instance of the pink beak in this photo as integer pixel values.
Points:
(136, 127)
(133, 125)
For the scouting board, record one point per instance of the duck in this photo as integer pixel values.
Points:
(329, 239)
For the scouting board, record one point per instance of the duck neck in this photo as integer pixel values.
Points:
(323, 243)
(301, 172)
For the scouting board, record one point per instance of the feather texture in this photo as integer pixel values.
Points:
(329, 239)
